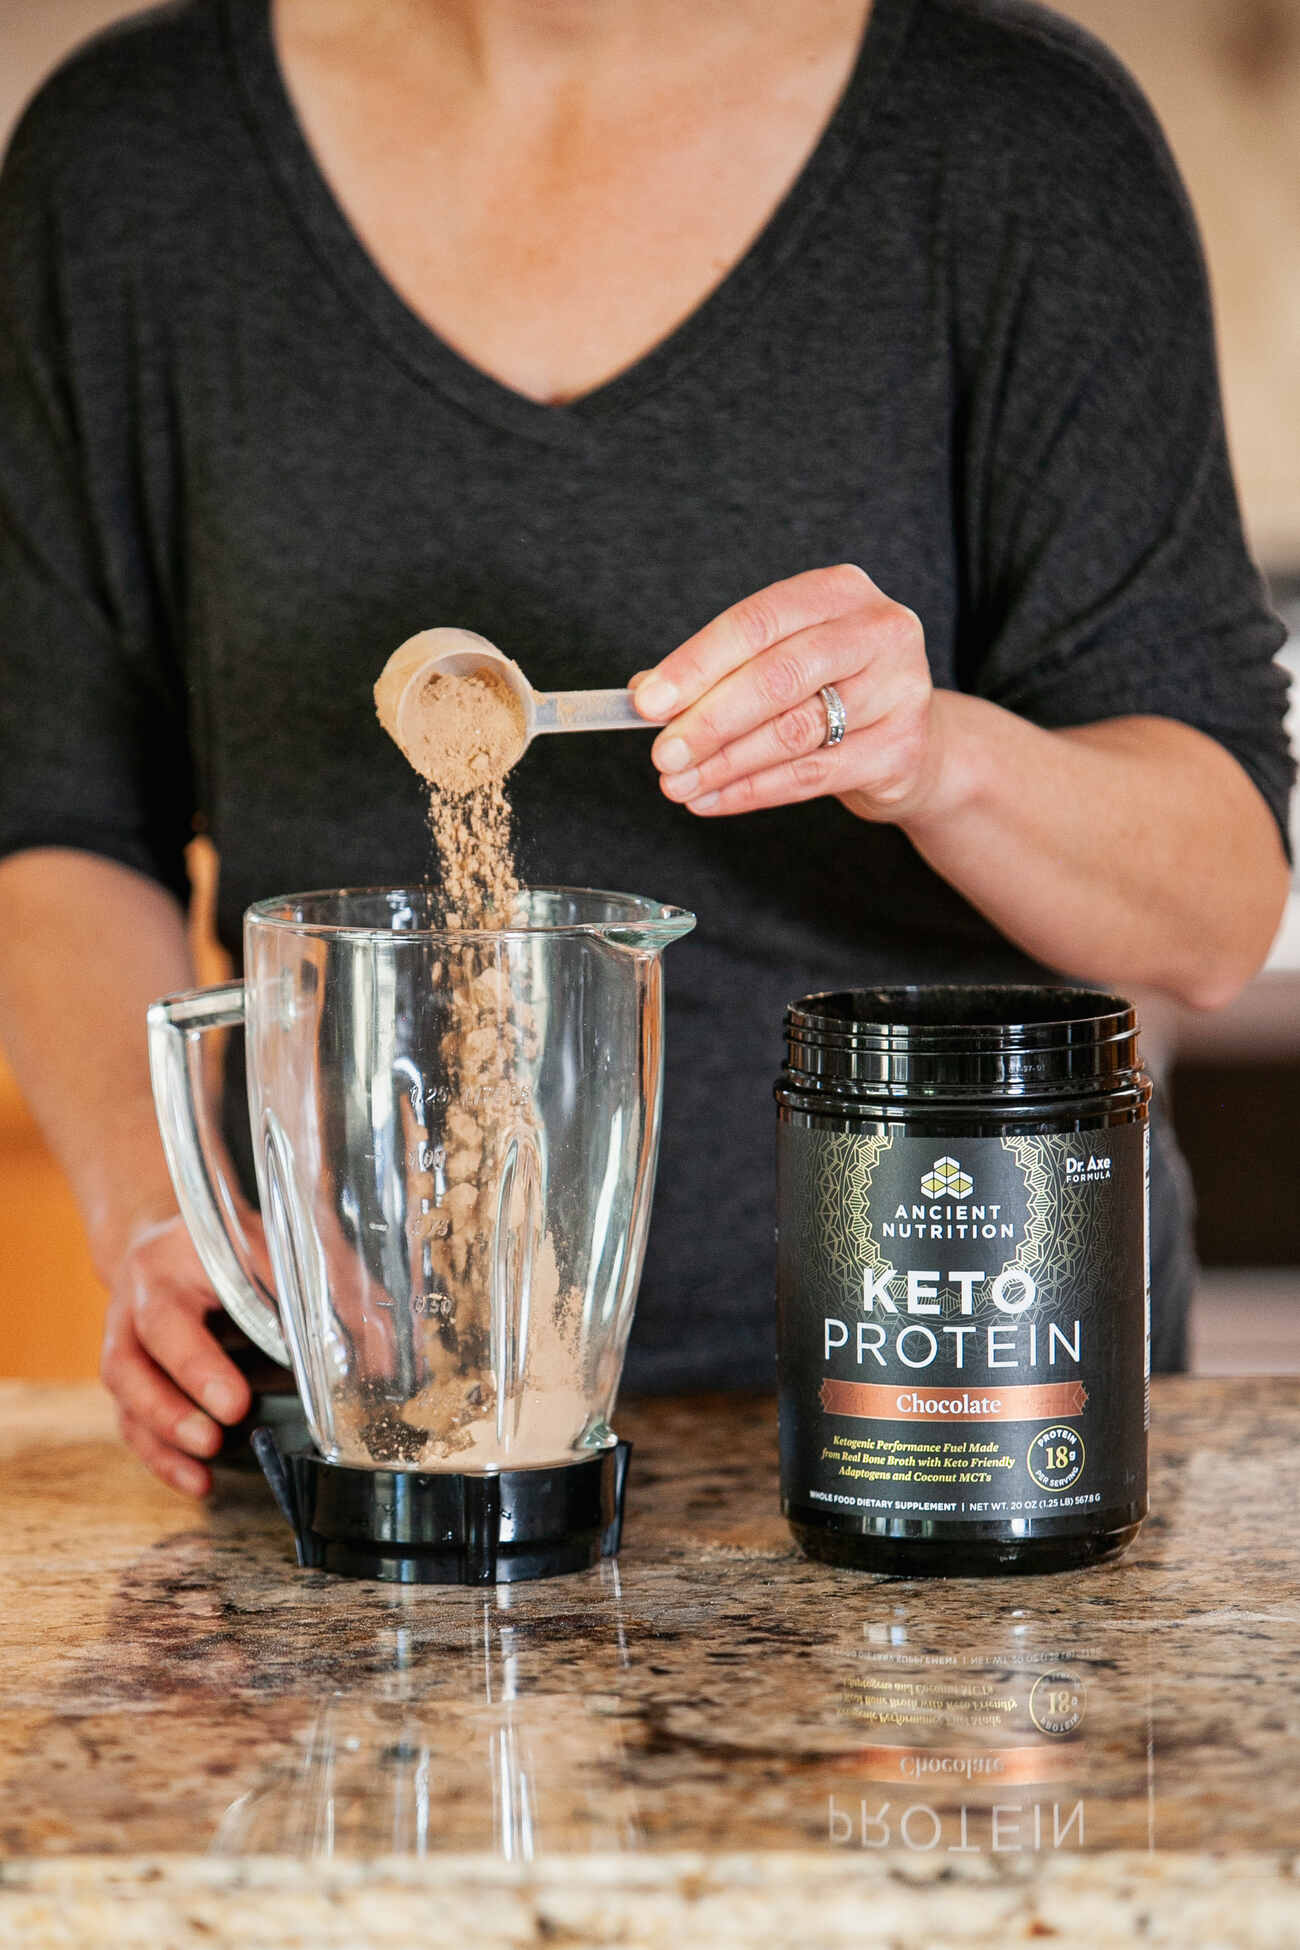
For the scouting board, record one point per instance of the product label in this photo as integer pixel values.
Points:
(962, 1325)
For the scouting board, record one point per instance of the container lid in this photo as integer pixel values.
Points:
(963, 1040)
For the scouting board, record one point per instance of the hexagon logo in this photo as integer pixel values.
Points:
(946, 1179)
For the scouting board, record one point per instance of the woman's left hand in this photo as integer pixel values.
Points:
(745, 724)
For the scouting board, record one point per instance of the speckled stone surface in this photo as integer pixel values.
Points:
(711, 1742)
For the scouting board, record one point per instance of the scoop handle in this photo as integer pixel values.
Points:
(587, 711)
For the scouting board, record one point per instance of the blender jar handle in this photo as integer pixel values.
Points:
(194, 1158)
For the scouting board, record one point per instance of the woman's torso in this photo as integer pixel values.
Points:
(312, 474)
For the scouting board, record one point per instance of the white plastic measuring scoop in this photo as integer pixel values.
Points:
(459, 653)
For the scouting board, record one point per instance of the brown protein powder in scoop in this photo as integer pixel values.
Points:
(464, 733)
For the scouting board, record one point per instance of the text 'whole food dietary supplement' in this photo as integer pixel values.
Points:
(963, 1308)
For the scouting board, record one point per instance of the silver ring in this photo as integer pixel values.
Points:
(836, 721)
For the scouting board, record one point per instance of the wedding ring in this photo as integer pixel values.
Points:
(836, 722)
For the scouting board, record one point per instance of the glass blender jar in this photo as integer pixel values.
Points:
(455, 1136)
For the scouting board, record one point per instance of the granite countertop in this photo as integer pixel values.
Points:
(710, 1742)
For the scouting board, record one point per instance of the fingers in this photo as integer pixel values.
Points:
(159, 1361)
(878, 772)
(749, 725)
(144, 1395)
(745, 631)
(174, 1335)
(191, 1478)
(780, 680)
(869, 699)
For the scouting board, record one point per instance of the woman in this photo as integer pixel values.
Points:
(604, 328)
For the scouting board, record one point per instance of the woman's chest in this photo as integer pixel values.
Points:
(330, 519)
(553, 231)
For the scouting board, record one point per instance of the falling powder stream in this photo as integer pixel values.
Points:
(462, 734)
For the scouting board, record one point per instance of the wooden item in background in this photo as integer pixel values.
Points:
(1236, 1123)
(51, 1302)
(52, 1312)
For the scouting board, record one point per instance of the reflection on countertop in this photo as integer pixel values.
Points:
(697, 1739)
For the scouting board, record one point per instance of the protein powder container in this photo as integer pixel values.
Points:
(963, 1278)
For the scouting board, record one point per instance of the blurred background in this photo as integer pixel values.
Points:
(1224, 76)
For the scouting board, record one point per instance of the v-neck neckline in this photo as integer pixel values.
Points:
(417, 345)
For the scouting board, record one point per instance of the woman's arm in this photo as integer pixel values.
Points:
(1132, 851)
(85, 946)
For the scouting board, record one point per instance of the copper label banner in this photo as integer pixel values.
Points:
(869, 1402)
(992, 1766)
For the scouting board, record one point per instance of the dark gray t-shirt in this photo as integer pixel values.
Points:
(971, 351)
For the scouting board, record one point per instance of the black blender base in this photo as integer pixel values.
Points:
(413, 1527)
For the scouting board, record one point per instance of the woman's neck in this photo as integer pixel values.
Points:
(529, 47)
(554, 185)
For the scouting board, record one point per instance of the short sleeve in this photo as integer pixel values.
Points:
(94, 752)
(1105, 562)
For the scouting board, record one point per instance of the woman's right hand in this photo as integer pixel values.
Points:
(173, 1384)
